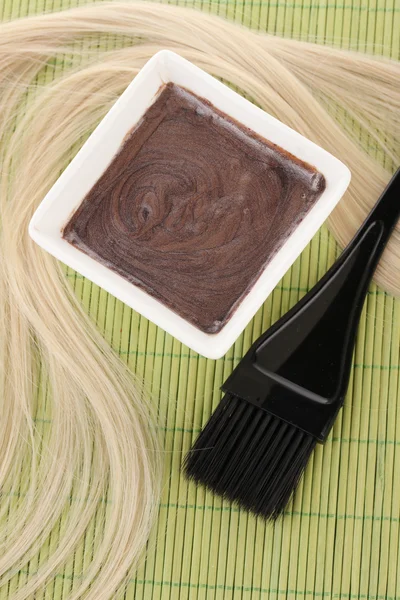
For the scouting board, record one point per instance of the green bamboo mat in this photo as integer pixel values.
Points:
(340, 536)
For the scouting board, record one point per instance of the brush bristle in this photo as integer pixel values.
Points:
(250, 457)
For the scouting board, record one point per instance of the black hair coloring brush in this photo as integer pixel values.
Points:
(285, 394)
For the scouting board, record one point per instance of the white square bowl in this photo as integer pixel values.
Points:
(97, 153)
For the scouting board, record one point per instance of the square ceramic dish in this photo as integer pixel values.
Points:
(95, 156)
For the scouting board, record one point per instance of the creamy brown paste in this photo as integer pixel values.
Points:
(193, 207)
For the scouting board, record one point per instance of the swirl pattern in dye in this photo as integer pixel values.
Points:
(193, 207)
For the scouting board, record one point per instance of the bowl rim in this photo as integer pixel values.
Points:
(67, 193)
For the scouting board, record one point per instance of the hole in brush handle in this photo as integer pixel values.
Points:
(386, 210)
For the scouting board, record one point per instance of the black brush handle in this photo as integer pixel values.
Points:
(299, 369)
